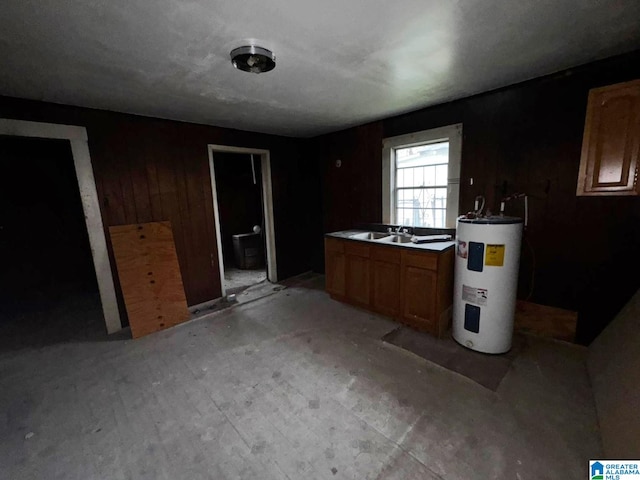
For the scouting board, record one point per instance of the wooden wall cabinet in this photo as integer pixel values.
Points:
(414, 287)
(611, 144)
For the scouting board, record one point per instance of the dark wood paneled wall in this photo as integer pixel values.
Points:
(154, 170)
(579, 253)
(352, 191)
(298, 218)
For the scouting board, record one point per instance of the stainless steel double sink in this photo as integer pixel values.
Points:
(383, 237)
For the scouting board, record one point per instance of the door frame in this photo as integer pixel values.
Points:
(267, 202)
(77, 137)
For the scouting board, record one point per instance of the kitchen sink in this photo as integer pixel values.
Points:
(397, 239)
(369, 235)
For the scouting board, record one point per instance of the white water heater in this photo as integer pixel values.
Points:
(486, 282)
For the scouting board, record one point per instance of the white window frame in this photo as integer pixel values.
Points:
(450, 133)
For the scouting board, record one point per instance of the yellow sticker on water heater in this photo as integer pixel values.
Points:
(494, 256)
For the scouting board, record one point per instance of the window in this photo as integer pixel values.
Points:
(421, 178)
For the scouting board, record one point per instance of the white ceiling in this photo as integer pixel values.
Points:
(339, 63)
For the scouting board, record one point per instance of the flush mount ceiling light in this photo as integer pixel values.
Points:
(253, 59)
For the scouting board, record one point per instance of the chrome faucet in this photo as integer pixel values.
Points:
(400, 230)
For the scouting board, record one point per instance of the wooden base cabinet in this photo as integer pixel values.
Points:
(427, 287)
(419, 305)
(414, 287)
(358, 280)
(335, 269)
(385, 280)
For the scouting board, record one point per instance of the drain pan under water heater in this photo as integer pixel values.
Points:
(486, 281)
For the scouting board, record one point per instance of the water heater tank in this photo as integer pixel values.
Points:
(486, 281)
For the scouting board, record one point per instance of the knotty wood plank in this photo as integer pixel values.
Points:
(150, 276)
(140, 180)
(200, 261)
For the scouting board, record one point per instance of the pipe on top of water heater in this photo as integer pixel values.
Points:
(513, 197)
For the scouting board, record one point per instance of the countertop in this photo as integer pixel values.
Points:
(432, 246)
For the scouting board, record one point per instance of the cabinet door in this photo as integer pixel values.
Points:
(335, 273)
(611, 144)
(419, 297)
(385, 280)
(334, 267)
(358, 280)
(386, 287)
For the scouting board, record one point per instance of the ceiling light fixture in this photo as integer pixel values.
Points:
(253, 59)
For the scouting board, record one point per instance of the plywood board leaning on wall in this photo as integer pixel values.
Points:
(150, 276)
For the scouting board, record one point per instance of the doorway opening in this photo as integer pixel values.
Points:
(243, 209)
(48, 287)
(77, 138)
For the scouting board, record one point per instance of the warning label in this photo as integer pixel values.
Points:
(475, 295)
(494, 256)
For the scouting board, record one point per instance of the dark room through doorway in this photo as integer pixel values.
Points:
(48, 287)
(238, 180)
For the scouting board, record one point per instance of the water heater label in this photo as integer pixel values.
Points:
(494, 256)
(479, 296)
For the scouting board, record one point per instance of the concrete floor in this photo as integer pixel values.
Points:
(290, 386)
(236, 279)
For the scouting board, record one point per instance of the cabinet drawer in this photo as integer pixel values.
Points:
(334, 245)
(386, 254)
(357, 249)
(420, 259)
